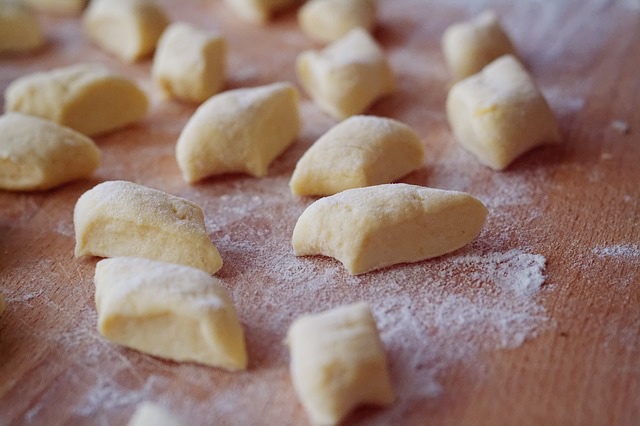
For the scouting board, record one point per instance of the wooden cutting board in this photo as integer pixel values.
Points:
(474, 337)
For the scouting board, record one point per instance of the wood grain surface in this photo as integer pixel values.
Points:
(462, 349)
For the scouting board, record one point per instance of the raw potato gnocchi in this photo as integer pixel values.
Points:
(65, 7)
(470, 46)
(37, 154)
(150, 414)
(258, 11)
(120, 218)
(378, 226)
(128, 29)
(360, 151)
(328, 20)
(189, 63)
(170, 311)
(347, 76)
(499, 113)
(241, 130)
(338, 362)
(88, 98)
(20, 30)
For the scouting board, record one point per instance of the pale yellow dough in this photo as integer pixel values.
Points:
(378, 226)
(170, 311)
(360, 151)
(470, 46)
(241, 130)
(20, 30)
(128, 29)
(88, 98)
(65, 7)
(150, 414)
(499, 113)
(189, 63)
(258, 11)
(347, 76)
(37, 154)
(338, 362)
(119, 218)
(328, 20)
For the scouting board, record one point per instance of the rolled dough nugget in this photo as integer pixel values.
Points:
(64, 7)
(119, 218)
(328, 20)
(128, 29)
(88, 98)
(258, 11)
(150, 414)
(170, 311)
(360, 151)
(189, 63)
(347, 76)
(37, 154)
(377, 226)
(470, 46)
(499, 113)
(241, 130)
(20, 30)
(338, 362)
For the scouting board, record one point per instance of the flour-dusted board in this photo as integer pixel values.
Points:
(536, 322)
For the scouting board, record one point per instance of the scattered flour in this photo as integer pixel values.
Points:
(624, 251)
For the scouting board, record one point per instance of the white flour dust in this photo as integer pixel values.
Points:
(620, 251)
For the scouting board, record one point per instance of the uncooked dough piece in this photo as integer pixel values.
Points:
(378, 226)
(150, 414)
(328, 20)
(88, 98)
(119, 218)
(241, 130)
(360, 151)
(189, 63)
(470, 46)
(128, 29)
(64, 7)
(499, 113)
(338, 362)
(20, 30)
(347, 76)
(37, 154)
(258, 11)
(170, 311)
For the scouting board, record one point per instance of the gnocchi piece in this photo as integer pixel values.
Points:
(119, 218)
(258, 11)
(241, 130)
(360, 151)
(88, 98)
(470, 46)
(499, 113)
(189, 63)
(64, 7)
(128, 29)
(150, 414)
(170, 311)
(37, 154)
(328, 20)
(347, 76)
(377, 226)
(20, 31)
(338, 362)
